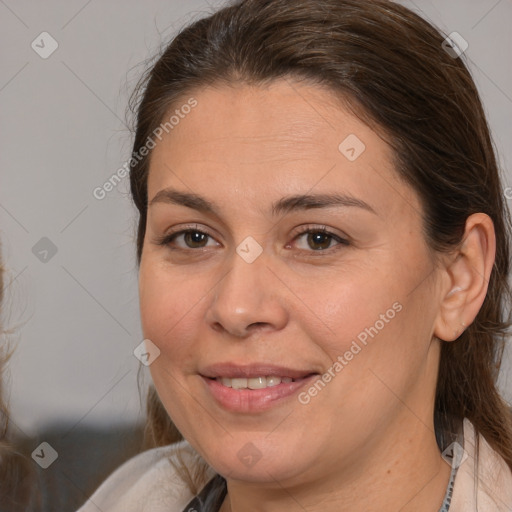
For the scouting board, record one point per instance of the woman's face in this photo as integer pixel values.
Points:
(255, 289)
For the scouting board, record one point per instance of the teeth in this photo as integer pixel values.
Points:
(253, 382)
(257, 383)
(239, 383)
(273, 381)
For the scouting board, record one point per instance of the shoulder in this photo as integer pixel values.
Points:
(149, 481)
(491, 489)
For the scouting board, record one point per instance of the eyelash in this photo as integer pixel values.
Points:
(167, 239)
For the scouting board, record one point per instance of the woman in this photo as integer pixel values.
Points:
(323, 249)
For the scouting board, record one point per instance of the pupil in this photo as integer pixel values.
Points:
(195, 237)
(317, 239)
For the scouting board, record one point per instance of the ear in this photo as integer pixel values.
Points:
(467, 274)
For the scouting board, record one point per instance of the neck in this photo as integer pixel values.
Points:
(405, 472)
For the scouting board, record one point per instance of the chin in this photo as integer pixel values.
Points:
(259, 465)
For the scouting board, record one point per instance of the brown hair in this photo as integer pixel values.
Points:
(389, 65)
(17, 477)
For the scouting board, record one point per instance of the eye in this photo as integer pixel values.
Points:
(317, 239)
(192, 238)
(320, 239)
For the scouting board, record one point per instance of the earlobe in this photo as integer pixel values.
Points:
(467, 273)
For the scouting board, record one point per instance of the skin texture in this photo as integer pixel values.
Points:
(366, 440)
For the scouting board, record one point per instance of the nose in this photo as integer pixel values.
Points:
(249, 298)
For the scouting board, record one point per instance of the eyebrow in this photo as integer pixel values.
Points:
(284, 205)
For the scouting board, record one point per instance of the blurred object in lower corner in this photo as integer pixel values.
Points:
(60, 468)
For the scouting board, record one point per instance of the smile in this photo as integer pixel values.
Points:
(254, 394)
(253, 382)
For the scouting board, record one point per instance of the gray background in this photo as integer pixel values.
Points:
(63, 134)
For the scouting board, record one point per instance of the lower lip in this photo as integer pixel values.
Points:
(254, 400)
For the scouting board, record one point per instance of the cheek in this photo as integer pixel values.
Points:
(374, 329)
(170, 304)
(352, 309)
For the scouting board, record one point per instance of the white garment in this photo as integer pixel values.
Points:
(495, 479)
(150, 483)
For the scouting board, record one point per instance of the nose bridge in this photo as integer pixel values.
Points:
(247, 294)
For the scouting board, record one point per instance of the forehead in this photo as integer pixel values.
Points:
(282, 138)
(265, 121)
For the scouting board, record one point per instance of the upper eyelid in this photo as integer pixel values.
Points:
(300, 231)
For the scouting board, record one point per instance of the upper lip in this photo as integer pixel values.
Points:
(232, 370)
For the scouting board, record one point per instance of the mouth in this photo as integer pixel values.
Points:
(234, 371)
(260, 382)
(253, 388)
